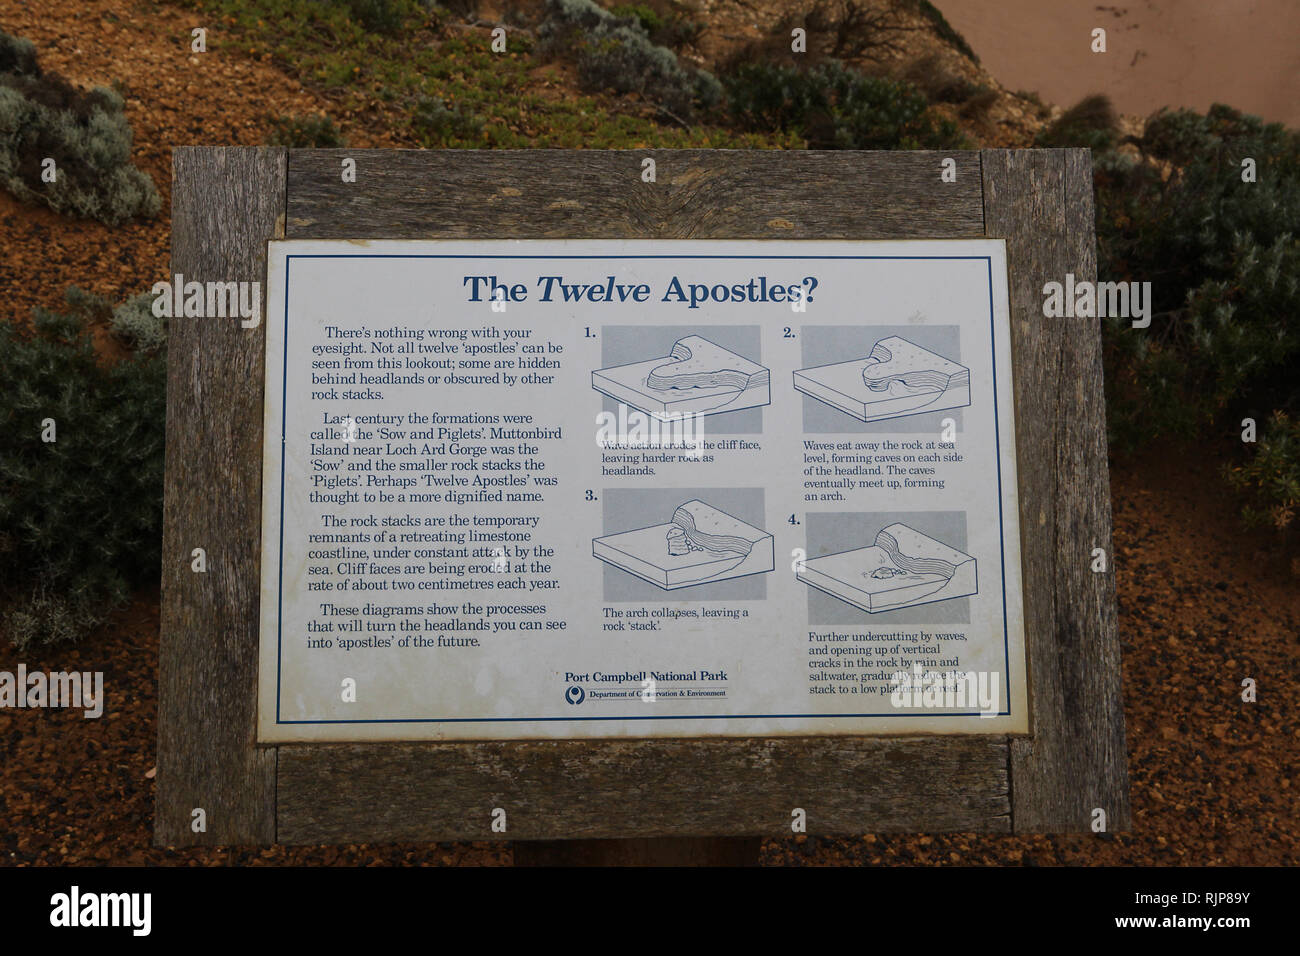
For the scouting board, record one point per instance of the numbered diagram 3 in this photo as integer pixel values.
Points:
(902, 568)
(698, 377)
(701, 544)
(898, 378)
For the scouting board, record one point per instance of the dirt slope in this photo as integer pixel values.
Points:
(173, 98)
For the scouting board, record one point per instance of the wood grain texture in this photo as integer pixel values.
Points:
(370, 793)
(1075, 761)
(225, 204)
(599, 194)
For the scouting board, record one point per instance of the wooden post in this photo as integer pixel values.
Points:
(1075, 762)
(226, 203)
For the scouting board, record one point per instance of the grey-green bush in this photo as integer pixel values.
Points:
(135, 325)
(1223, 258)
(667, 22)
(616, 53)
(1222, 254)
(81, 516)
(437, 124)
(42, 116)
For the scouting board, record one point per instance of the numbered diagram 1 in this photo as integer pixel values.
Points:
(700, 545)
(903, 568)
(697, 378)
(898, 378)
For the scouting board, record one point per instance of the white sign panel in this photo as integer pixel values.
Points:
(526, 489)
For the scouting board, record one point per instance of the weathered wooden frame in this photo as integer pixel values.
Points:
(226, 203)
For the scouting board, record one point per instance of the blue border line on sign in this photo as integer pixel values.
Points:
(1006, 650)
(284, 412)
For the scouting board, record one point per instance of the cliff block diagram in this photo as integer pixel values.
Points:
(898, 378)
(902, 569)
(700, 545)
(697, 377)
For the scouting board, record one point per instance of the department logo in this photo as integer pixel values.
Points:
(575, 695)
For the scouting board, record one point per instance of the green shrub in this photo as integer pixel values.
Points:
(1270, 478)
(1091, 123)
(1175, 215)
(463, 9)
(390, 16)
(649, 19)
(835, 107)
(378, 16)
(1224, 264)
(667, 22)
(17, 56)
(616, 53)
(81, 516)
(438, 125)
(43, 116)
(305, 131)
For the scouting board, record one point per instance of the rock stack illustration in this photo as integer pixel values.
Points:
(898, 378)
(696, 377)
(903, 568)
(700, 545)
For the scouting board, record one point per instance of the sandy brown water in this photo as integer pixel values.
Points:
(1245, 53)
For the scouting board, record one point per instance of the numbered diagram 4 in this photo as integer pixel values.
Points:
(903, 568)
(898, 378)
(700, 545)
(698, 377)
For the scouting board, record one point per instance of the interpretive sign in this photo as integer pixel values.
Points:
(520, 489)
(703, 497)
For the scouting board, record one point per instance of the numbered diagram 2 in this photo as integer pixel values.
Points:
(698, 377)
(700, 545)
(903, 568)
(898, 378)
